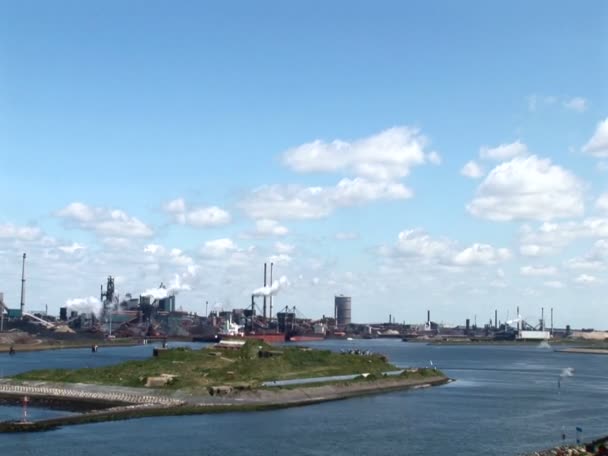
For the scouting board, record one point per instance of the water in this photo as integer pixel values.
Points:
(505, 402)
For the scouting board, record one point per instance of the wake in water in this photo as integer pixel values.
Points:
(545, 345)
(566, 372)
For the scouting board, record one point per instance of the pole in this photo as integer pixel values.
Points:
(264, 309)
(23, 285)
(271, 297)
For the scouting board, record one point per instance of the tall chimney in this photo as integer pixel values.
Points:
(264, 311)
(271, 297)
(428, 317)
(542, 318)
(551, 320)
(495, 319)
(518, 321)
(23, 285)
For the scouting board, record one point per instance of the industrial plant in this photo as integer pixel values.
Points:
(153, 314)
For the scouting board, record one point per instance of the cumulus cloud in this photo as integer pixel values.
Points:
(418, 244)
(534, 250)
(199, 217)
(19, 233)
(73, 248)
(552, 236)
(282, 259)
(536, 271)
(578, 104)
(481, 254)
(104, 222)
(598, 144)
(268, 227)
(602, 202)
(218, 247)
(553, 284)
(503, 151)
(586, 279)
(282, 247)
(472, 170)
(278, 202)
(528, 188)
(388, 155)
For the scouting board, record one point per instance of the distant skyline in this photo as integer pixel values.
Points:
(413, 155)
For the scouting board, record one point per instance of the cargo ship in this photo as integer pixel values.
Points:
(232, 331)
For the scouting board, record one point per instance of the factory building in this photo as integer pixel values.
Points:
(342, 310)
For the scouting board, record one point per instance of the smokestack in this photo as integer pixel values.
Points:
(495, 319)
(551, 320)
(23, 285)
(271, 296)
(264, 312)
(542, 318)
(428, 317)
(518, 322)
(206, 308)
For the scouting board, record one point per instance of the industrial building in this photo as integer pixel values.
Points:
(342, 310)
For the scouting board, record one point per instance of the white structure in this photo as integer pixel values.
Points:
(533, 335)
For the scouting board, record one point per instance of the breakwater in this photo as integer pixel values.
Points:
(144, 405)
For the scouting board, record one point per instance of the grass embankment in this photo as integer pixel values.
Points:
(195, 369)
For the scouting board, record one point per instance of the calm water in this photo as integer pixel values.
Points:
(505, 402)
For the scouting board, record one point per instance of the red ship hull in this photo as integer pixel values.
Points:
(305, 338)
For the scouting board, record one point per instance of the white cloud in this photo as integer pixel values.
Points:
(551, 236)
(472, 170)
(104, 222)
(388, 155)
(295, 202)
(198, 217)
(282, 247)
(268, 227)
(602, 202)
(282, 259)
(585, 279)
(554, 284)
(528, 188)
(504, 151)
(578, 104)
(20, 233)
(73, 248)
(534, 250)
(417, 244)
(218, 247)
(481, 254)
(536, 271)
(598, 144)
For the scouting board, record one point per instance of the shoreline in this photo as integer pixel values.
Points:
(155, 403)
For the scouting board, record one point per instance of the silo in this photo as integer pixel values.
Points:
(343, 310)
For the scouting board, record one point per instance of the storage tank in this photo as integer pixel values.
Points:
(343, 310)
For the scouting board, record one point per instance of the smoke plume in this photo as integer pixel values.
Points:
(174, 288)
(273, 289)
(90, 305)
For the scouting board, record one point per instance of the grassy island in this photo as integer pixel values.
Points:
(249, 365)
(210, 380)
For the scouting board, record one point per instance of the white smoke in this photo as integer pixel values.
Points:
(545, 345)
(90, 305)
(567, 372)
(273, 289)
(174, 288)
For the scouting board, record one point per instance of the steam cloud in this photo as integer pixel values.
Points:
(90, 305)
(174, 288)
(273, 289)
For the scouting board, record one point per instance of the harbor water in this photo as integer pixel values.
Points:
(506, 400)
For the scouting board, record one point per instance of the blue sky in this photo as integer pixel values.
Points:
(129, 106)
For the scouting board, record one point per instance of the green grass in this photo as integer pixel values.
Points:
(197, 369)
